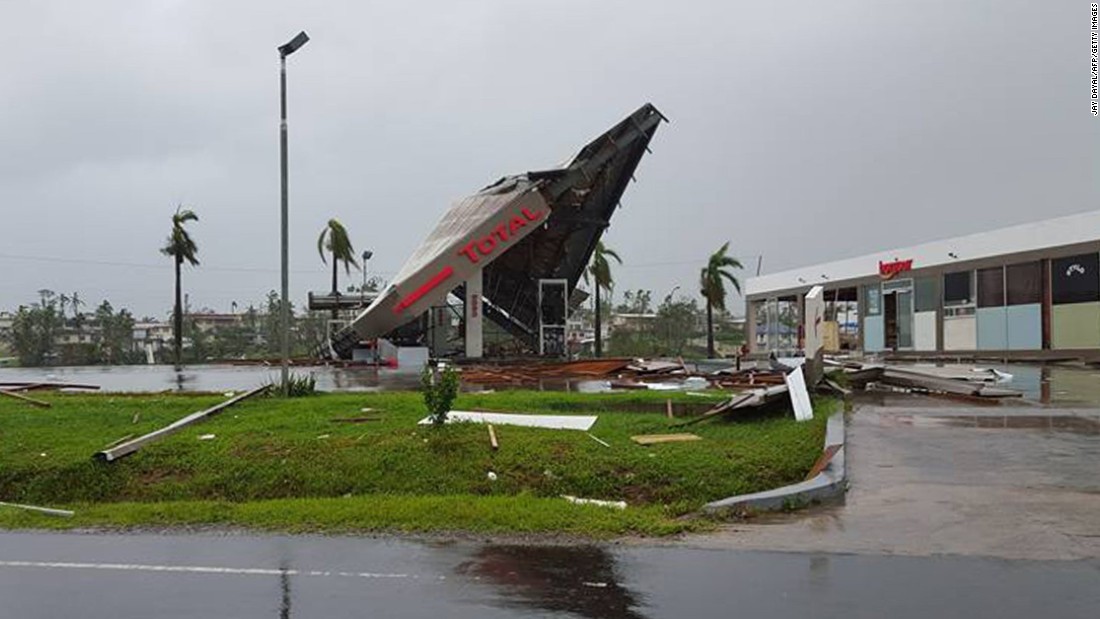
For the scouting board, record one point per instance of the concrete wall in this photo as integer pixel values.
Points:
(874, 333)
(1075, 325)
(924, 331)
(992, 328)
(960, 332)
(1025, 326)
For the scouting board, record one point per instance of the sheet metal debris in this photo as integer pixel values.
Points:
(597, 502)
(49, 511)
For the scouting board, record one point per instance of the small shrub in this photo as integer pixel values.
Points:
(439, 392)
(298, 386)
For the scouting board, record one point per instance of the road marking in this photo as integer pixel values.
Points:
(195, 569)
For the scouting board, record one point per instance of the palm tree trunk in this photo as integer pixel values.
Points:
(177, 319)
(335, 292)
(599, 334)
(710, 331)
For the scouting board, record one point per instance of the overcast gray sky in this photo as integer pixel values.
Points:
(801, 131)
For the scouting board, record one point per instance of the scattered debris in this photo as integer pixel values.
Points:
(491, 476)
(135, 419)
(366, 409)
(324, 436)
(492, 437)
(354, 419)
(129, 447)
(28, 400)
(207, 437)
(29, 386)
(823, 461)
(117, 441)
(668, 408)
(654, 439)
(800, 397)
(597, 502)
(555, 422)
(597, 585)
(64, 513)
(602, 442)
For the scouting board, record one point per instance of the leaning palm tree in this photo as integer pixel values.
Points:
(334, 239)
(713, 287)
(182, 248)
(600, 270)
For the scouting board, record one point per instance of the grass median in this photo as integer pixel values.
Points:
(293, 465)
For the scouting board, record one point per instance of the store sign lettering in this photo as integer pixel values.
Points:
(502, 234)
(890, 270)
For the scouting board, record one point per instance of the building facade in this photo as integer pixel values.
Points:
(1013, 291)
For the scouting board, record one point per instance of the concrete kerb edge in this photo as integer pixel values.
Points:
(829, 485)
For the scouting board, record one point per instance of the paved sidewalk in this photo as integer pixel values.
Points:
(1015, 482)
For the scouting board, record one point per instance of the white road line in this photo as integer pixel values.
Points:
(193, 569)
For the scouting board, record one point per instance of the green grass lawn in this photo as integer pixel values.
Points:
(286, 465)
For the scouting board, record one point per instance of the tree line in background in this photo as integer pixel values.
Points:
(674, 327)
(43, 333)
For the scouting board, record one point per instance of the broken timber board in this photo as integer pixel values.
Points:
(17, 396)
(917, 380)
(492, 437)
(129, 447)
(823, 461)
(654, 439)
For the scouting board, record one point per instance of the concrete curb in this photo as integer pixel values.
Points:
(829, 484)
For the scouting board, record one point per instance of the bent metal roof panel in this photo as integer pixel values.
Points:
(537, 225)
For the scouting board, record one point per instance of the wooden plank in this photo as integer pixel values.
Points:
(738, 401)
(668, 408)
(492, 437)
(17, 396)
(823, 461)
(654, 439)
(129, 447)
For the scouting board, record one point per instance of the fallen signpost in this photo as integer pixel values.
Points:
(28, 400)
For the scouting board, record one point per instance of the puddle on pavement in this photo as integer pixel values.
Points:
(1059, 423)
(582, 580)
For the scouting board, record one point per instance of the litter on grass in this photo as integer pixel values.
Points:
(207, 437)
(554, 422)
(596, 502)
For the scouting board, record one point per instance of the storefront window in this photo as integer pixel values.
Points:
(1025, 283)
(991, 287)
(928, 296)
(873, 294)
(1074, 279)
(958, 288)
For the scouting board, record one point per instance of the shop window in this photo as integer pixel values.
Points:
(958, 288)
(1025, 283)
(991, 287)
(928, 296)
(873, 295)
(1075, 279)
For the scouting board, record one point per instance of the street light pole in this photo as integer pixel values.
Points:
(284, 51)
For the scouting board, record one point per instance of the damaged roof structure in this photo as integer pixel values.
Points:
(519, 230)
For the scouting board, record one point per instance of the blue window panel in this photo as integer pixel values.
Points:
(1025, 327)
(874, 333)
(992, 328)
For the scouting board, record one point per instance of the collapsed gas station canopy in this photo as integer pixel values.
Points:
(517, 231)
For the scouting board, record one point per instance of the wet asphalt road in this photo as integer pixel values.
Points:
(113, 576)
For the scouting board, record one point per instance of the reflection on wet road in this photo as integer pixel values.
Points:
(167, 576)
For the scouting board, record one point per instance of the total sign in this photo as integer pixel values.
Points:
(470, 236)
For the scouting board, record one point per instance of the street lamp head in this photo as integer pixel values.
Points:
(367, 254)
(294, 44)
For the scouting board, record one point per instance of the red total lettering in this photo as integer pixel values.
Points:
(469, 252)
(529, 215)
(516, 223)
(487, 245)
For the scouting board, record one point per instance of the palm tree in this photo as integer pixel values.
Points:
(182, 248)
(334, 239)
(714, 289)
(75, 303)
(600, 270)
